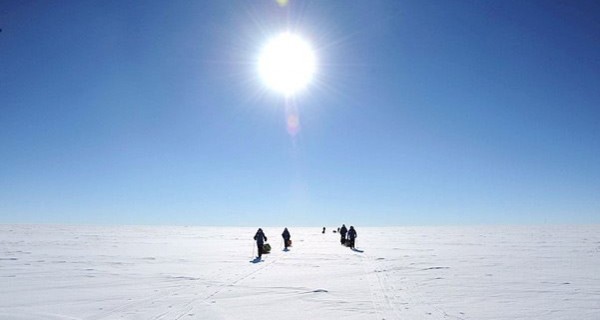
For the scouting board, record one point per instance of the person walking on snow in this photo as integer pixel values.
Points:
(351, 236)
(260, 241)
(286, 238)
(343, 232)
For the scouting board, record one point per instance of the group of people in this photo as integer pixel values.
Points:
(261, 238)
(347, 238)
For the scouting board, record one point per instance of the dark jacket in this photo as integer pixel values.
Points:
(260, 237)
(352, 234)
(286, 234)
(343, 231)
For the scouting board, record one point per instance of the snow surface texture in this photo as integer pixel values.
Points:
(69, 272)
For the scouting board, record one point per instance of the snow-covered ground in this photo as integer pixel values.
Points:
(75, 272)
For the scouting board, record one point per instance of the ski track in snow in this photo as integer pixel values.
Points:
(160, 273)
(189, 296)
(382, 297)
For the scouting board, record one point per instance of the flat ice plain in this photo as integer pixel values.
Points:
(504, 272)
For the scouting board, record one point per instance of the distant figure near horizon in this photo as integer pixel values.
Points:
(343, 232)
(286, 239)
(323, 230)
(260, 241)
(351, 237)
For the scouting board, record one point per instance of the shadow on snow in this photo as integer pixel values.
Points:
(256, 260)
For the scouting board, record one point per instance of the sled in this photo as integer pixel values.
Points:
(266, 248)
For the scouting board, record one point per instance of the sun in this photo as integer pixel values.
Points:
(287, 63)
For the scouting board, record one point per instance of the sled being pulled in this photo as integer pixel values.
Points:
(266, 248)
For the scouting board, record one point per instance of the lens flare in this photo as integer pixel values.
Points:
(293, 124)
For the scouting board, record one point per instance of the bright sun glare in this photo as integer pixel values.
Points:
(287, 63)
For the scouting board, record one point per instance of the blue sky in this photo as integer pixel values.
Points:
(421, 113)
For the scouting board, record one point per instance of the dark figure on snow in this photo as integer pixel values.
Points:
(343, 232)
(286, 238)
(260, 241)
(323, 230)
(351, 236)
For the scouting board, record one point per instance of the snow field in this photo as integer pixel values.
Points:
(126, 272)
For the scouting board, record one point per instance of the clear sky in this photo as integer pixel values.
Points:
(420, 113)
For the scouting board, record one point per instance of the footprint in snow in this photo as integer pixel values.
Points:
(436, 268)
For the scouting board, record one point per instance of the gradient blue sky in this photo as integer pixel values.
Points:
(422, 113)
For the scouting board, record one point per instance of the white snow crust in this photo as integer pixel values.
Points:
(125, 272)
